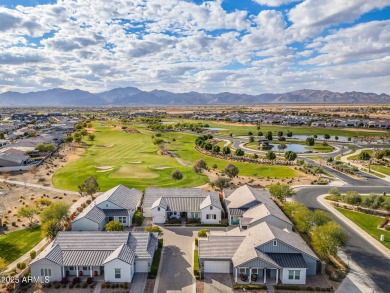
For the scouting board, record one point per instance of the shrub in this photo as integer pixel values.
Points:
(84, 285)
(57, 285)
(203, 232)
(76, 280)
(196, 265)
(89, 280)
(138, 218)
(33, 254)
(196, 241)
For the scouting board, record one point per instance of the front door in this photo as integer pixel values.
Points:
(101, 270)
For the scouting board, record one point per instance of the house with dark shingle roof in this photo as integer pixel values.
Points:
(162, 204)
(117, 204)
(115, 256)
(261, 247)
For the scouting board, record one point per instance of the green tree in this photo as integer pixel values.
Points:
(2, 136)
(231, 171)
(251, 139)
(260, 133)
(280, 191)
(57, 211)
(114, 226)
(138, 217)
(239, 152)
(280, 133)
(216, 149)
(290, 156)
(352, 197)
(334, 191)
(270, 155)
(365, 156)
(68, 139)
(328, 239)
(158, 141)
(226, 150)
(28, 212)
(326, 136)
(269, 135)
(220, 183)
(310, 141)
(199, 166)
(45, 148)
(154, 229)
(51, 228)
(89, 187)
(91, 137)
(176, 175)
(321, 217)
(289, 133)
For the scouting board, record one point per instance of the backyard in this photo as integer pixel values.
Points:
(14, 244)
(368, 223)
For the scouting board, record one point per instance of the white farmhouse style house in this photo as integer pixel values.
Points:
(162, 204)
(116, 204)
(114, 255)
(261, 247)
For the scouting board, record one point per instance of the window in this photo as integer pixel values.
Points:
(122, 220)
(106, 205)
(46, 272)
(158, 209)
(85, 268)
(71, 268)
(214, 217)
(254, 270)
(211, 207)
(294, 274)
(242, 270)
(275, 243)
(117, 273)
(211, 217)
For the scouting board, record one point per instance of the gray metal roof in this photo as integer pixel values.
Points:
(152, 194)
(124, 253)
(288, 260)
(116, 213)
(92, 213)
(122, 196)
(18, 159)
(219, 246)
(85, 257)
(237, 212)
(85, 248)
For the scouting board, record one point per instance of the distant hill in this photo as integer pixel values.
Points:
(131, 96)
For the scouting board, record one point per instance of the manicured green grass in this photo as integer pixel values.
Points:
(185, 149)
(318, 147)
(382, 169)
(239, 129)
(134, 161)
(14, 244)
(368, 223)
(356, 157)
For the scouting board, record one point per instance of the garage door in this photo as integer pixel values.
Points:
(217, 266)
(141, 266)
(159, 219)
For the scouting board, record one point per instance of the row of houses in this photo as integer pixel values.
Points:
(259, 243)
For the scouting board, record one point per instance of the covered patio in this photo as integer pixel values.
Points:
(255, 275)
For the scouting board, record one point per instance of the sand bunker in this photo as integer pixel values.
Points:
(137, 162)
(103, 167)
(105, 146)
(161, 167)
(105, 170)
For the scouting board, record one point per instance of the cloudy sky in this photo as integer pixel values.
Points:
(242, 46)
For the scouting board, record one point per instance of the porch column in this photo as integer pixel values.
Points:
(277, 276)
(91, 271)
(63, 271)
(235, 275)
(77, 271)
(250, 275)
(265, 275)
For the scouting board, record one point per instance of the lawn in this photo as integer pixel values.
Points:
(238, 129)
(116, 157)
(382, 169)
(356, 157)
(368, 223)
(184, 148)
(14, 244)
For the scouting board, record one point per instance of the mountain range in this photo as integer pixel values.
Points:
(131, 96)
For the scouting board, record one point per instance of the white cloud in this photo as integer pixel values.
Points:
(275, 3)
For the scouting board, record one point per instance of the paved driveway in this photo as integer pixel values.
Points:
(217, 283)
(176, 267)
(138, 282)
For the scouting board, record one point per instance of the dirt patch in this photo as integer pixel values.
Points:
(16, 196)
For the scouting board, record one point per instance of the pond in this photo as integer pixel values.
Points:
(297, 148)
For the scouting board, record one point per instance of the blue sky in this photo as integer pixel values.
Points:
(246, 46)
